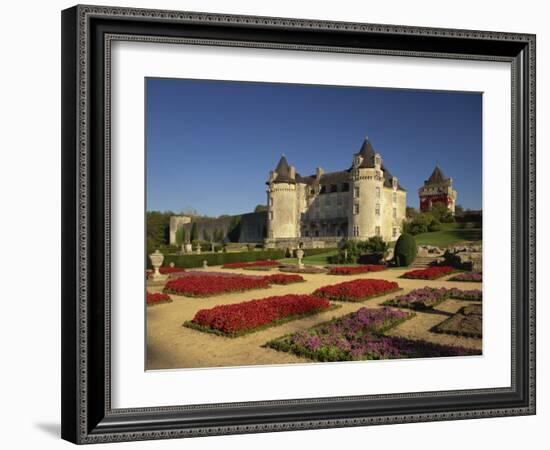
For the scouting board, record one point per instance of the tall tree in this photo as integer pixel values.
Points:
(194, 232)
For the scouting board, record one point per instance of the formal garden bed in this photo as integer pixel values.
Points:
(293, 268)
(283, 278)
(246, 317)
(420, 299)
(429, 273)
(157, 298)
(257, 265)
(359, 336)
(468, 276)
(467, 322)
(353, 270)
(428, 297)
(357, 290)
(207, 285)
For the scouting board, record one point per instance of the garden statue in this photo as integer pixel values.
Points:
(188, 248)
(198, 249)
(205, 264)
(157, 259)
(172, 265)
(300, 255)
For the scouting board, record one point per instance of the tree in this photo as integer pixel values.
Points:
(459, 209)
(206, 235)
(260, 208)
(411, 212)
(180, 235)
(234, 231)
(194, 232)
(422, 223)
(441, 213)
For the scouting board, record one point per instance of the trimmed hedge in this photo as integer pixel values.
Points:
(405, 250)
(218, 259)
(316, 251)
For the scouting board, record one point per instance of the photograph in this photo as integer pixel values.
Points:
(303, 223)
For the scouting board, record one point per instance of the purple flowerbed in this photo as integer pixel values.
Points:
(425, 298)
(468, 276)
(428, 298)
(466, 294)
(358, 336)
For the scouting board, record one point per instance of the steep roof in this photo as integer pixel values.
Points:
(437, 176)
(283, 171)
(388, 179)
(367, 152)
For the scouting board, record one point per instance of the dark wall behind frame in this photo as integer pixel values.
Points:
(87, 416)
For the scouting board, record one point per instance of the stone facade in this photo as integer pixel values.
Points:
(177, 222)
(437, 189)
(362, 201)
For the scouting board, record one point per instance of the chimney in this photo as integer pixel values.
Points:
(318, 172)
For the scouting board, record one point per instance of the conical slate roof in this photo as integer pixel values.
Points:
(367, 152)
(437, 176)
(283, 171)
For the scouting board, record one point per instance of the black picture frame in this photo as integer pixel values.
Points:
(87, 416)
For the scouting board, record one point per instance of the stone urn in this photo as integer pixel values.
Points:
(198, 249)
(188, 248)
(205, 264)
(157, 259)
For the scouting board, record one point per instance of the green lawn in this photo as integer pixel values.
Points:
(316, 260)
(450, 233)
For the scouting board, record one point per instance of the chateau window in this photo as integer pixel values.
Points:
(356, 208)
(270, 215)
(327, 203)
(377, 209)
(355, 231)
(345, 187)
(377, 160)
(333, 188)
(394, 232)
(270, 201)
(394, 213)
(356, 191)
(377, 192)
(394, 197)
(339, 200)
(323, 190)
(377, 231)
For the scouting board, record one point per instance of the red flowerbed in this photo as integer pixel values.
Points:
(352, 270)
(244, 265)
(430, 273)
(205, 286)
(155, 298)
(283, 278)
(239, 318)
(357, 290)
(165, 270)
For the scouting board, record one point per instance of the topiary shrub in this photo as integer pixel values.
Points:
(405, 250)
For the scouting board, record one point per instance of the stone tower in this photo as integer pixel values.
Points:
(437, 189)
(367, 180)
(283, 216)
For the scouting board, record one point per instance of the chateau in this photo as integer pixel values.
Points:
(359, 202)
(437, 189)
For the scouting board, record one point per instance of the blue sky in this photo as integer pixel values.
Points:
(211, 144)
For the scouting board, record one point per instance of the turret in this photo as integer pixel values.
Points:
(437, 189)
(367, 180)
(283, 217)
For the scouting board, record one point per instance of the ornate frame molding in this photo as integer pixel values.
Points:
(88, 32)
